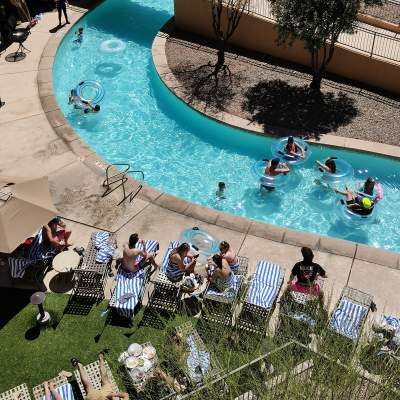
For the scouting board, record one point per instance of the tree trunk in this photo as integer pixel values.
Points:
(221, 56)
(316, 81)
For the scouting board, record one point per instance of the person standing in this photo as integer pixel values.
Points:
(62, 7)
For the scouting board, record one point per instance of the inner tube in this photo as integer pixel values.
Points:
(268, 181)
(377, 195)
(344, 172)
(353, 217)
(112, 46)
(91, 91)
(200, 241)
(278, 150)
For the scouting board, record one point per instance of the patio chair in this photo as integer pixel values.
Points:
(198, 351)
(261, 297)
(93, 372)
(21, 390)
(166, 294)
(62, 387)
(39, 252)
(130, 287)
(243, 266)
(90, 276)
(219, 306)
(350, 313)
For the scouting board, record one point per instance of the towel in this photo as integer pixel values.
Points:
(198, 362)
(104, 250)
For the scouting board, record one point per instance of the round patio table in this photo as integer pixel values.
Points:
(65, 262)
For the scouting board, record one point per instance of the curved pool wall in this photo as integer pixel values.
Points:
(184, 153)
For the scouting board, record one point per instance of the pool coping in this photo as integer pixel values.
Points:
(274, 233)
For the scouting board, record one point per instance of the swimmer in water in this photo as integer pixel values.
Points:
(328, 166)
(274, 168)
(220, 193)
(294, 149)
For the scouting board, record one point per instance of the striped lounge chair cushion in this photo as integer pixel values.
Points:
(151, 246)
(347, 319)
(65, 391)
(229, 292)
(128, 292)
(261, 294)
(268, 273)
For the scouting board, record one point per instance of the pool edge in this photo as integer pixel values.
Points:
(274, 233)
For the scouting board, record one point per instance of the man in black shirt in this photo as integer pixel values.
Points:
(306, 270)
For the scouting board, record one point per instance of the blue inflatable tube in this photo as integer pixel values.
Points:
(91, 91)
(344, 172)
(268, 181)
(278, 150)
(200, 241)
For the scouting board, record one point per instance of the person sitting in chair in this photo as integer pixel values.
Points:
(220, 274)
(56, 234)
(134, 259)
(227, 253)
(176, 267)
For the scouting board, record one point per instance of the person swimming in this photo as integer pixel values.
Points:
(368, 187)
(294, 149)
(220, 193)
(328, 166)
(275, 167)
(79, 35)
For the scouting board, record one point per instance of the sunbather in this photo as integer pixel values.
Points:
(220, 274)
(134, 259)
(176, 267)
(106, 391)
(227, 253)
(49, 390)
(56, 234)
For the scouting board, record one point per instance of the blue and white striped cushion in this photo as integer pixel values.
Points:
(235, 267)
(230, 292)
(347, 319)
(174, 244)
(131, 284)
(392, 321)
(151, 246)
(262, 295)
(104, 253)
(65, 391)
(268, 273)
(101, 238)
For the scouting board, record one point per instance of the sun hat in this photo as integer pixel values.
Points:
(366, 203)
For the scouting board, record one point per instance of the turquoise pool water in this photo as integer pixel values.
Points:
(186, 154)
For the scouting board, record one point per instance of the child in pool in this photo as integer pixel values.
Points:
(220, 193)
(79, 35)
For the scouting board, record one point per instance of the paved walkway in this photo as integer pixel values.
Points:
(30, 146)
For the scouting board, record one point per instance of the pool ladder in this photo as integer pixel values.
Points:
(116, 178)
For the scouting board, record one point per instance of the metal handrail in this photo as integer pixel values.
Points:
(367, 42)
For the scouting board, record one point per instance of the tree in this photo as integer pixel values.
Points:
(318, 23)
(224, 29)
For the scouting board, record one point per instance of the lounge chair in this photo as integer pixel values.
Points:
(350, 313)
(93, 371)
(62, 387)
(166, 294)
(219, 306)
(90, 276)
(39, 252)
(208, 366)
(22, 391)
(261, 297)
(243, 266)
(130, 287)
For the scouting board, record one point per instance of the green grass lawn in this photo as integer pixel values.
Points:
(30, 359)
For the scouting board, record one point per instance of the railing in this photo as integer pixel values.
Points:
(373, 43)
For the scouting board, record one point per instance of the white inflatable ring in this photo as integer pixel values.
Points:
(113, 46)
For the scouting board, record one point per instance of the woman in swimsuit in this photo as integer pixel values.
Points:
(226, 252)
(329, 166)
(294, 149)
(133, 258)
(176, 267)
(275, 168)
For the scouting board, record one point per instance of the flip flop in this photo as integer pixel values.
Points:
(74, 362)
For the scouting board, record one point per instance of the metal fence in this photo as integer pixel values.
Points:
(368, 41)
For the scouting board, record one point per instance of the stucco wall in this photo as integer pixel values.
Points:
(258, 34)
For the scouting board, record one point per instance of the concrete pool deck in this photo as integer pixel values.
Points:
(37, 140)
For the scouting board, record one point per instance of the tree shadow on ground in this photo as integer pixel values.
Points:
(276, 103)
(201, 84)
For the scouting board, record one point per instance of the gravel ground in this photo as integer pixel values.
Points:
(389, 11)
(275, 94)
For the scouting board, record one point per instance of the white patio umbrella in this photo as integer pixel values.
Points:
(25, 205)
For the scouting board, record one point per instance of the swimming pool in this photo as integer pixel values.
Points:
(182, 152)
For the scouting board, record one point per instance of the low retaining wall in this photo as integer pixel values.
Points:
(258, 34)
